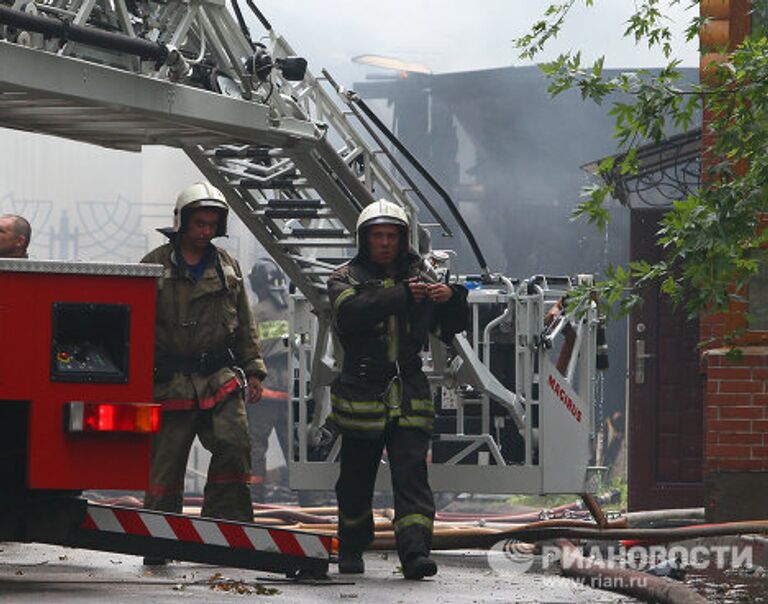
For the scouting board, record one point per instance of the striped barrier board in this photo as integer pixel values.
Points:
(195, 539)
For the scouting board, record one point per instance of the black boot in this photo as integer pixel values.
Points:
(419, 567)
(413, 545)
(351, 562)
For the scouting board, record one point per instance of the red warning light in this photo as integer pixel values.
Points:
(137, 418)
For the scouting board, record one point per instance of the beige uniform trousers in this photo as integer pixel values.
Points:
(223, 430)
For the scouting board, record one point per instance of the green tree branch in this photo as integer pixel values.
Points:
(711, 240)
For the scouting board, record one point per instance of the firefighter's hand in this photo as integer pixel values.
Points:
(254, 389)
(439, 292)
(418, 289)
(553, 313)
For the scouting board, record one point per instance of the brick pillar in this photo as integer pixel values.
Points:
(736, 434)
(736, 398)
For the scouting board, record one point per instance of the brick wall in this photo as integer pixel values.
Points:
(712, 328)
(736, 411)
(736, 434)
(736, 397)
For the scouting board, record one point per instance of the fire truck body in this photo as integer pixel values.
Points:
(76, 336)
(77, 412)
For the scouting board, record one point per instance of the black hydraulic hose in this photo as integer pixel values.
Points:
(241, 22)
(628, 581)
(84, 35)
(355, 98)
(375, 136)
(259, 15)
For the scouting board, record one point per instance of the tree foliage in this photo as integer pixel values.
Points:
(711, 240)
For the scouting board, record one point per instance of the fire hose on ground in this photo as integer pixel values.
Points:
(627, 581)
(454, 531)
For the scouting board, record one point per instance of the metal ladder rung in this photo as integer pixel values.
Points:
(320, 233)
(298, 204)
(291, 242)
(247, 153)
(316, 272)
(291, 213)
(283, 172)
(275, 183)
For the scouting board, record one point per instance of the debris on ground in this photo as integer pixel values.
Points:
(219, 582)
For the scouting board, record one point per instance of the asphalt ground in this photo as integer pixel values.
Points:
(32, 573)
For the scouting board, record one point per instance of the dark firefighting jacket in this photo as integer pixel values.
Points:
(382, 331)
(197, 320)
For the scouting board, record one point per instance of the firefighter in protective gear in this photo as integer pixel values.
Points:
(269, 284)
(385, 305)
(207, 360)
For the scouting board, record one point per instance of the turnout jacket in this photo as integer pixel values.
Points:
(198, 320)
(382, 331)
(273, 329)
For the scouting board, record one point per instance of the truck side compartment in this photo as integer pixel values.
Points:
(14, 423)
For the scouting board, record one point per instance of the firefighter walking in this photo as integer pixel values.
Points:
(385, 306)
(206, 357)
(268, 283)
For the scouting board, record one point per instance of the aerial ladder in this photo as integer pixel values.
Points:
(297, 158)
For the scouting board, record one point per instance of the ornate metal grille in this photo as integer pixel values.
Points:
(668, 171)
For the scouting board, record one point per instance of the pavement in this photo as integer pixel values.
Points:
(32, 573)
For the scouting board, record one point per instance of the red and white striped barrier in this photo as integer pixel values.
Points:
(206, 531)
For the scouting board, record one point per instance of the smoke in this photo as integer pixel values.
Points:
(46, 177)
(453, 35)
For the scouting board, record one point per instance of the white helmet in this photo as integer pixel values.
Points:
(200, 195)
(382, 212)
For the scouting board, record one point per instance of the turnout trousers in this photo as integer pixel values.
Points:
(414, 504)
(264, 415)
(223, 430)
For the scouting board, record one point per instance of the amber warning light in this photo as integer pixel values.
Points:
(136, 418)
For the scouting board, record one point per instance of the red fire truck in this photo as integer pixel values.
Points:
(76, 413)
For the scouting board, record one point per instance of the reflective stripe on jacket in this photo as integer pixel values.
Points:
(273, 328)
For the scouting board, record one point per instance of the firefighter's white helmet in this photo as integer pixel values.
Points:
(200, 195)
(382, 212)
